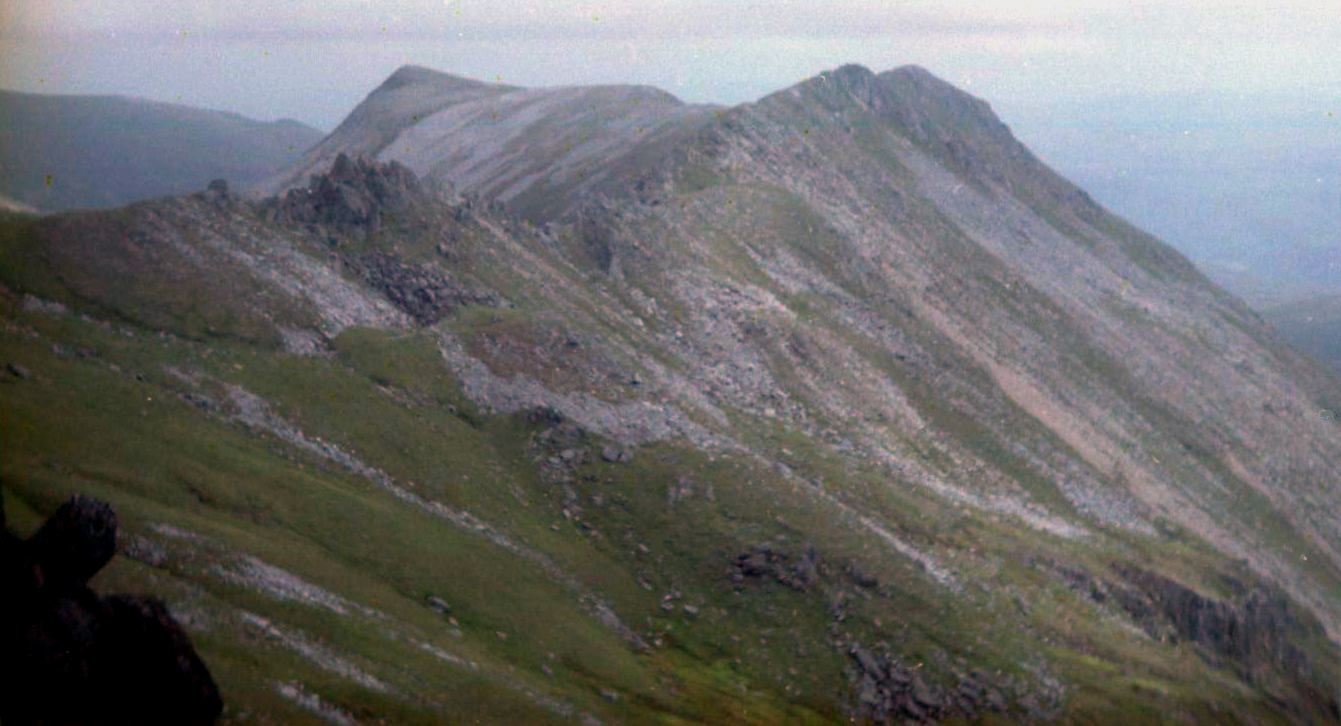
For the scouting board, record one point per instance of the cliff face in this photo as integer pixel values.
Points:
(1252, 630)
(778, 409)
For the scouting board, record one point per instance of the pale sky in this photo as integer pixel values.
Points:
(313, 60)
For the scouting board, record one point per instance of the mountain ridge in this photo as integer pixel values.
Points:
(835, 405)
(962, 133)
(182, 108)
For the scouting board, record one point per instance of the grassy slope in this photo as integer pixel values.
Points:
(90, 424)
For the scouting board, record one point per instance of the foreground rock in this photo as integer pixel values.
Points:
(70, 656)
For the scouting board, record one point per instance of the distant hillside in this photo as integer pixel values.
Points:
(67, 152)
(1313, 326)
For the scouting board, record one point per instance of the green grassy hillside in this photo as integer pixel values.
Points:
(298, 572)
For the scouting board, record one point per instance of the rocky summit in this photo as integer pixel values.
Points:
(584, 404)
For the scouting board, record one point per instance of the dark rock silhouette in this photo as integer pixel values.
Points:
(76, 542)
(69, 656)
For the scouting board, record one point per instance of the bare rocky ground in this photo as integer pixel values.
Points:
(836, 405)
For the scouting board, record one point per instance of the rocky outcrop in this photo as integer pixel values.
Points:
(76, 542)
(70, 656)
(357, 200)
(888, 691)
(1253, 632)
(885, 689)
(766, 563)
(354, 196)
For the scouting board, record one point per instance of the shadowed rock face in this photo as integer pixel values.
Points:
(70, 656)
(891, 692)
(765, 562)
(1254, 631)
(78, 540)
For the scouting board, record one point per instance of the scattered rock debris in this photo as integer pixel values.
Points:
(764, 562)
(889, 691)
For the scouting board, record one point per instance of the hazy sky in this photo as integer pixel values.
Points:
(314, 59)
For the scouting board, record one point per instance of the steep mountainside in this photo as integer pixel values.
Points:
(67, 152)
(835, 405)
(1312, 325)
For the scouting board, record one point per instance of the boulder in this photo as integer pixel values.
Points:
(75, 542)
(70, 656)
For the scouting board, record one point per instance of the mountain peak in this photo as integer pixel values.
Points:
(837, 87)
(410, 94)
(915, 79)
(912, 70)
(848, 76)
(910, 94)
(414, 75)
(942, 116)
(849, 73)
